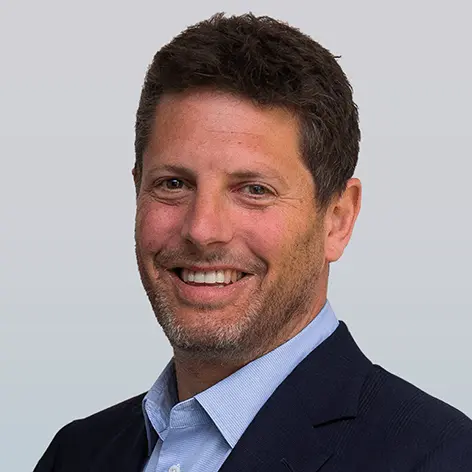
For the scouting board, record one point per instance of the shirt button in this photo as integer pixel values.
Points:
(174, 468)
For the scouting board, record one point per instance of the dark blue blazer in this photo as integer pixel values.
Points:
(335, 412)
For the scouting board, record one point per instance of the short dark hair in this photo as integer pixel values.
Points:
(273, 65)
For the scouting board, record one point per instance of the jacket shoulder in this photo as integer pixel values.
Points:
(406, 416)
(83, 439)
(101, 427)
(112, 415)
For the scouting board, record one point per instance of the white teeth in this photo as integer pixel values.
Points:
(211, 277)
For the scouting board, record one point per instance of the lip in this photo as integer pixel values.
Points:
(206, 294)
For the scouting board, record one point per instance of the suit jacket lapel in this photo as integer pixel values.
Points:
(297, 429)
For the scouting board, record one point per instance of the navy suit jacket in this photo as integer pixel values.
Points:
(335, 412)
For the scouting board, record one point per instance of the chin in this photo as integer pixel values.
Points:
(211, 332)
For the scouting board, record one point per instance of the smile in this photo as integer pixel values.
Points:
(209, 277)
(210, 287)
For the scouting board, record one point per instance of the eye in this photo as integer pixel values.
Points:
(256, 190)
(171, 184)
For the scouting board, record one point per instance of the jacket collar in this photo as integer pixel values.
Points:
(311, 404)
(233, 402)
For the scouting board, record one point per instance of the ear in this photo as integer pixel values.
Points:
(340, 219)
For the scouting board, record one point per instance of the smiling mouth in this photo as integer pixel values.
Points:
(209, 277)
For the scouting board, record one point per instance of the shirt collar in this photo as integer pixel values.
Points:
(233, 402)
(158, 402)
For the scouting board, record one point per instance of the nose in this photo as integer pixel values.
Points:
(207, 220)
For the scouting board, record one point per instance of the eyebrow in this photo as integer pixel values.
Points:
(252, 174)
(239, 174)
(175, 169)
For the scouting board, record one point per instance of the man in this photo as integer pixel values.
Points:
(247, 138)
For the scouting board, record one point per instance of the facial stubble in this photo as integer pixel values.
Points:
(255, 328)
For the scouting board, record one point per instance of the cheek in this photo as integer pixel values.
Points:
(155, 225)
(282, 239)
(268, 236)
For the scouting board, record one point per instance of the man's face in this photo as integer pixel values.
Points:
(228, 242)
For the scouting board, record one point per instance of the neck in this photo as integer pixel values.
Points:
(195, 374)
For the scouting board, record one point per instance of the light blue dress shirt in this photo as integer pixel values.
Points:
(198, 434)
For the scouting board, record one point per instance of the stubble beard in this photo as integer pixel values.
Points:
(259, 327)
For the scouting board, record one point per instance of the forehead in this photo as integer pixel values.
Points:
(220, 129)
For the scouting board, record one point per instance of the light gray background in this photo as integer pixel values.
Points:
(77, 333)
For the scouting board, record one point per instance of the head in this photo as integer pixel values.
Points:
(247, 138)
